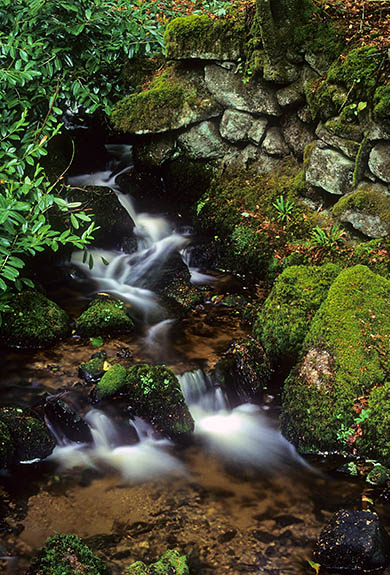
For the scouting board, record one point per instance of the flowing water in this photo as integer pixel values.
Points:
(238, 500)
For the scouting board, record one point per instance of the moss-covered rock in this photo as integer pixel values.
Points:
(104, 316)
(25, 438)
(171, 563)
(382, 104)
(154, 392)
(203, 37)
(111, 382)
(283, 322)
(346, 357)
(7, 449)
(34, 322)
(367, 210)
(93, 370)
(375, 441)
(174, 99)
(66, 555)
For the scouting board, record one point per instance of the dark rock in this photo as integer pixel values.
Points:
(92, 371)
(66, 422)
(354, 541)
(227, 536)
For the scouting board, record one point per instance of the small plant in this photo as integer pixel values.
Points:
(326, 239)
(284, 209)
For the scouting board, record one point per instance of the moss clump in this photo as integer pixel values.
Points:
(342, 127)
(169, 102)
(29, 436)
(154, 392)
(104, 316)
(171, 563)
(347, 353)
(283, 322)
(359, 71)
(379, 475)
(319, 37)
(374, 254)
(382, 103)
(243, 208)
(324, 99)
(111, 382)
(202, 36)
(93, 370)
(367, 201)
(34, 322)
(375, 440)
(66, 555)
(139, 70)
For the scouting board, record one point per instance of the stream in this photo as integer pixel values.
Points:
(238, 499)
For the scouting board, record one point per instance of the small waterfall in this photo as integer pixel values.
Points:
(198, 277)
(142, 461)
(241, 436)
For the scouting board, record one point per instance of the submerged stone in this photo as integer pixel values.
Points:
(104, 316)
(34, 322)
(171, 563)
(24, 438)
(66, 555)
(353, 541)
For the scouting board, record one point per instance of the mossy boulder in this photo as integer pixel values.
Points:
(104, 316)
(346, 358)
(174, 99)
(111, 382)
(66, 555)
(367, 210)
(205, 38)
(283, 322)
(155, 393)
(382, 104)
(34, 322)
(93, 369)
(171, 563)
(374, 440)
(23, 437)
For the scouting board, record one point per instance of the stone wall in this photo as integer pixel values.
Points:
(203, 108)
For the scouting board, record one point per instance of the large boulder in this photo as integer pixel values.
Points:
(330, 171)
(34, 322)
(229, 90)
(205, 38)
(203, 142)
(23, 438)
(104, 316)
(66, 555)
(367, 210)
(354, 542)
(284, 320)
(345, 366)
(235, 126)
(174, 99)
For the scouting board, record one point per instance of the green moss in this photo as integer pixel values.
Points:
(347, 353)
(93, 370)
(374, 254)
(283, 322)
(325, 100)
(111, 382)
(242, 208)
(358, 72)
(34, 322)
(161, 106)
(320, 37)
(139, 70)
(183, 293)
(343, 128)
(30, 436)
(171, 563)
(367, 201)
(222, 38)
(379, 475)
(104, 316)
(66, 555)
(154, 391)
(375, 440)
(382, 103)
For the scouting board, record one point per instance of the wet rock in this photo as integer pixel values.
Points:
(243, 371)
(296, 134)
(274, 144)
(257, 131)
(104, 316)
(66, 422)
(355, 541)
(291, 95)
(235, 125)
(171, 562)
(330, 170)
(152, 155)
(34, 322)
(173, 269)
(377, 132)
(229, 90)
(93, 370)
(66, 554)
(203, 142)
(367, 210)
(379, 161)
(25, 438)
